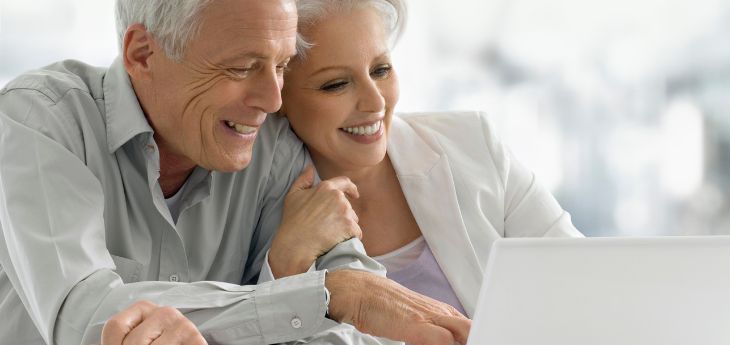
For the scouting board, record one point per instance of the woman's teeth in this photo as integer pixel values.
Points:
(243, 129)
(364, 130)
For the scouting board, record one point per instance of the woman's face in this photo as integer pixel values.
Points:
(340, 98)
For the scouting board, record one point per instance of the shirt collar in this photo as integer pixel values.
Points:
(124, 116)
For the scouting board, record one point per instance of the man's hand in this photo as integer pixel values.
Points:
(382, 307)
(147, 323)
(315, 220)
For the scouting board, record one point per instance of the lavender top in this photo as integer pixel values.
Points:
(415, 267)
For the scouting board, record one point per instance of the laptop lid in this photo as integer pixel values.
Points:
(648, 291)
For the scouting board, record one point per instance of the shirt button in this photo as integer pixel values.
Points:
(296, 322)
(174, 278)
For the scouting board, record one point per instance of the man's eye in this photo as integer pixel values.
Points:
(381, 71)
(334, 86)
(240, 72)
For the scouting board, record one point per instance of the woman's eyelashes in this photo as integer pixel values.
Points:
(283, 67)
(379, 72)
(334, 85)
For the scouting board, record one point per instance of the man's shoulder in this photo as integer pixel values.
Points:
(277, 153)
(276, 136)
(61, 101)
(55, 81)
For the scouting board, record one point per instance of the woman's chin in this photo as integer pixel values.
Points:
(360, 160)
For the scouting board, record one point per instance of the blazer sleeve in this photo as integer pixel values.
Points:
(530, 210)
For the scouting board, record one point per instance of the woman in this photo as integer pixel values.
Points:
(435, 189)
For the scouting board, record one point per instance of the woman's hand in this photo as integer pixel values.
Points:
(315, 219)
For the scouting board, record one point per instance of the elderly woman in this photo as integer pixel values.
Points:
(435, 190)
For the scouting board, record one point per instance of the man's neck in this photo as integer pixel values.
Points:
(174, 170)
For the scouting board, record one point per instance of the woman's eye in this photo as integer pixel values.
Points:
(381, 71)
(334, 86)
(282, 67)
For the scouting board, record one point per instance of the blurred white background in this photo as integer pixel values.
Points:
(621, 107)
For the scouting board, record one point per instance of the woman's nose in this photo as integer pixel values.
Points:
(371, 99)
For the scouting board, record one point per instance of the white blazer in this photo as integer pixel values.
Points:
(466, 190)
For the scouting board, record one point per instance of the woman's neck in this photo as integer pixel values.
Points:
(369, 180)
(384, 216)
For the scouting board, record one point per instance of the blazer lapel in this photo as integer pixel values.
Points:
(425, 177)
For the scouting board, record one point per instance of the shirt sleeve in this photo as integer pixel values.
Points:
(344, 334)
(53, 251)
(346, 255)
(349, 255)
(289, 158)
(530, 209)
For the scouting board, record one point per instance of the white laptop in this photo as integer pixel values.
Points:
(612, 291)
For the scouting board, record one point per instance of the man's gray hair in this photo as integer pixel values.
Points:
(173, 23)
(310, 12)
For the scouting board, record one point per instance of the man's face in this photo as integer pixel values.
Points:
(207, 109)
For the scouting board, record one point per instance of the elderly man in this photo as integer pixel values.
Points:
(127, 184)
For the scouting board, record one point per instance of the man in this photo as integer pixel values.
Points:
(125, 190)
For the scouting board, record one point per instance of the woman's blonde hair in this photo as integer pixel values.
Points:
(310, 12)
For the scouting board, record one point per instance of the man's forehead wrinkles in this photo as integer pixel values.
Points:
(292, 28)
(255, 36)
(259, 23)
(255, 31)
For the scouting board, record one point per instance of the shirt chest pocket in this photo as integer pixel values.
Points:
(128, 269)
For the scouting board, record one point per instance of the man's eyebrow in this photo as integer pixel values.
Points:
(242, 56)
(253, 56)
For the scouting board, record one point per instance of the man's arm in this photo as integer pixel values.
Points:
(53, 251)
(378, 306)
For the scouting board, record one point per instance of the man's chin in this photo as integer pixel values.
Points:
(231, 165)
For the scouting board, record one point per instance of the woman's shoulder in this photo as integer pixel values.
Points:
(463, 129)
(450, 123)
(456, 117)
(468, 138)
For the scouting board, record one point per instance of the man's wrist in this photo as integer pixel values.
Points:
(288, 265)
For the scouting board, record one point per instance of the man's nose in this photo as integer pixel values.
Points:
(265, 92)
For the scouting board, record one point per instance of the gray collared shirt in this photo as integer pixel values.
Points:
(85, 230)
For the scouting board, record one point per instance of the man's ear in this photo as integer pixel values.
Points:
(137, 50)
